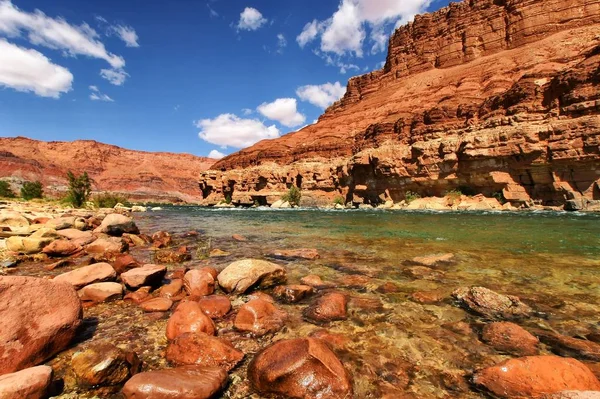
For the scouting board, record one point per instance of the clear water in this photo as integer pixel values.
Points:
(396, 348)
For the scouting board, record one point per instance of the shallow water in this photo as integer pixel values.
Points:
(396, 347)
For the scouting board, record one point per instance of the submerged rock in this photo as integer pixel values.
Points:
(38, 318)
(536, 376)
(300, 368)
(315, 281)
(427, 297)
(147, 275)
(203, 350)
(215, 306)
(169, 256)
(433, 260)
(569, 346)
(292, 293)
(511, 338)
(259, 317)
(423, 273)
(291, 254)
(31, 383)
(188, 382)
(86, 275)
(329, 307)
(239, 276)
(490, 304)
(104, 364)
(189, 317)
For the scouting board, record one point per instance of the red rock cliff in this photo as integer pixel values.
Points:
(139, 175)
(485, 95)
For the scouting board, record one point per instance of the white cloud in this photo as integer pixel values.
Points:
(94, 88)
(127, 34)
(114, 76)
(100, 97)
(214, 154)
(281, 42)
(211, 11)
(251, 19)
(309, 33)
(284, 111)
(247, 111)
(29, 70)
(321, 95)
(229, 130)
(345, 33)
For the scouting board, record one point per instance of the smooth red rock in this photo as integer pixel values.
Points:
(423, 273)
(161, 239)
(215, 306)
(199, 283)
(259, 317)
(329, 307)
(302, 368)
(536, 376)
(203, 350)
(112, 246)
(511, 338)
(427, 297)
(124, 262)
(569, 346)
(103, 364)
(292, 293)
(260, 295)
(101, 292)
(238, 237)
(490, 304)
(188, 382)
(150, 275)
(189, 317)
(60, 248)
(336, 341)
(31, 383)
(38, 318)
(173, 290)
(94, 273)
(139, 296)
(315, 281)
(156, 305)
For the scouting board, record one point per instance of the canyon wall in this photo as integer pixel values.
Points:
(138, 175)
(484, 96)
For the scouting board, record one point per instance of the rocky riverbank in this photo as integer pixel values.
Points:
(92, 306)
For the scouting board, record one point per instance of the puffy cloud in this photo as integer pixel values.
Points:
(251, 19)
(309, 33)
(284, 111)
(214, 154)
(229, 130)
(114, 76)
(345, 33)
(127, 34)
(29, 70)
(321, 95)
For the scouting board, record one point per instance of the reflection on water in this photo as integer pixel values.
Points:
(394, 347)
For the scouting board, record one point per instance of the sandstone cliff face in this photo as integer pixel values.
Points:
(487, 96)
(139, 175)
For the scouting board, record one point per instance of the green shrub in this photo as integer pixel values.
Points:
(32, 190)
(5, 190)
(293, 196)
(228, 198)
(339, 200)
(410, 196)
(500, 197)
(80, 188)
(109, 200)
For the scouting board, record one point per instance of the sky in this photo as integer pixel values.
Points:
(206, 77)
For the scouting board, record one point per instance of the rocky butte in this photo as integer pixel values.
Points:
(485, 96)
(158, 176)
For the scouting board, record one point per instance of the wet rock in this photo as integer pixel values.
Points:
(156, 305)
(315, 281)
(300, 368)
(423, 273)
(137, 240)
(189, 317)
(199, 283)
(203, 350)
(215, 306)
(31, 383)
(124, 262)
(139, 296)
(570, 347)
(101, 292)
(239, 276)
(459, 327)
(116, 224)
(111, 245)
(147, 275)
(260, 295)
(188, 382)
(536, 376)
(335, 341)
(259, 317)
(95, 273)
(38, 318)
(427, 297)
(58, 264)
(169, 256)
(217, 253)
(490, 304)
(292, 293)
(103, 364)
(329, 307)
(433, 260)
(574, 395)
(173, 290)
(511, 338)
(238, 237)
(60, 248)
(355, 281)
(292, 254)
(27, 245)
(161, 239)
(388, 288)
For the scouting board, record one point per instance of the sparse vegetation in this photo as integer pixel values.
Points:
(5, 190)
(109, 200)
(31, 190)
(80, 188)
(454, 195)
(410, 196)
(228, 198)
(293, 196)
(499, 196)
(339, 200)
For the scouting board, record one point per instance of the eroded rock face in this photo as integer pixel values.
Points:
(203, 350)
(239, 276)
(187, 382)
(300, 368)
(31, 383)
(189, 317)
(536, 376)
(490, 304)
(38, 318)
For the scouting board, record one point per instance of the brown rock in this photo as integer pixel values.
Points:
(173, 290)
(139, 296)
(124, 262)
(423, 273)
(189, 317)
(300, 368)
(86, 275)
(238, 237)
(511, 338)
(315, 281)
(199, 283)
(156, 305)
(31, 383)
(203, 350)
(536, 376)
(239, 276)
(111, 245)
(490, 304)
(259, 317)
(188, 382)
(101, 292)
(337, 342)
(150, 275)
(38, 318)
(218, 253)
(569, 346)
(574, 395)
(61, 248)
(161, 239)
(170, 256)
(215, 306)
(291, 254)
(433, 260)
(329, 307)
(427, 297)
(103, 364)
(260, 295)
(388, 288)
(292, 293)
(58, 264)
(116, 224)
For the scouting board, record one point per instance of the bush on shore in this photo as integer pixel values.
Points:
(5, 190)
(109, 200)
(31, 190)
(293, 196)
(80, 188)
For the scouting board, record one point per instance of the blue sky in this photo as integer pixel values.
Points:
(184, 75)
